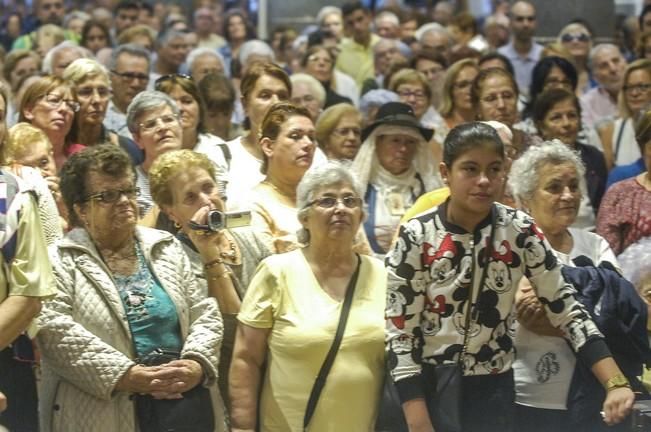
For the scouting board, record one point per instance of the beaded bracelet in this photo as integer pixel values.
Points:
(213, 263)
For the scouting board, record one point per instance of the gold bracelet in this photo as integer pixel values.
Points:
(223, 275)
(617, 381)
(213, 263)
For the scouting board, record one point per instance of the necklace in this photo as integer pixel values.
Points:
(292, 198)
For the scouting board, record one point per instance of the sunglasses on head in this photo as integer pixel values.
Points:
(170, 77)
(579, 37)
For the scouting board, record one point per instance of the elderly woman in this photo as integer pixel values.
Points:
(625, 212)
(338, 132)
(127, 301)
(184, 91)
(371, 102)
(618, 137)
(319, 62)
(548, 183)
(578, 41)
(330, 19)
(308, 93)
(183, 185)
(290, 313)
(456, 102)
(154, 121)
(203, 61)
(50, 104)
(557, 115)
(394, 166)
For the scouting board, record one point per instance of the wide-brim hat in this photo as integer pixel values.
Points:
(397, 114)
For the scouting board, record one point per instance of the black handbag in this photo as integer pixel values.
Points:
(192, 413)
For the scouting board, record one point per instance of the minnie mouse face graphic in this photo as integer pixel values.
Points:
(435, 310)
(396, 308)
(442, 261)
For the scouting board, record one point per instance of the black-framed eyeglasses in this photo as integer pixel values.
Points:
(113, 195)
(55, 101)
(171, 77)
(131, 76)
(330, 202)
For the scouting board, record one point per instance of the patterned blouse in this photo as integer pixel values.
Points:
(625, 214)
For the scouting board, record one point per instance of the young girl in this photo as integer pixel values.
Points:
(467, 256)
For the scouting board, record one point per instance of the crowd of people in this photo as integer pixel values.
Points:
(203, 230)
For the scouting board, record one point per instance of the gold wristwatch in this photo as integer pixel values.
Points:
(617, 381)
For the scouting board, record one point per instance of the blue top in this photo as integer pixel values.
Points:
(151, 313)
(624, 172)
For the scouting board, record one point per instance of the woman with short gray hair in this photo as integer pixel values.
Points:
(153, 119)
(308, 92)
(292, 308)
(547, 181)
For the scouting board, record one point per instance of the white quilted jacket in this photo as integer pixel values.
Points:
(85, 340)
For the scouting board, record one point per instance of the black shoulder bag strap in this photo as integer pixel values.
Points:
(319, 383)
(619, 140)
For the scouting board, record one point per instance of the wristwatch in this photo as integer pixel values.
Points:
(617, 381)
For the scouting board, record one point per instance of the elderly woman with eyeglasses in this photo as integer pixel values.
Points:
(338, 132)
(130, 324)
(183, 185)
(50, 104)
(290, 313)
(153, 119)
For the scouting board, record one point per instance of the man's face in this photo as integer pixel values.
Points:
(126, 18)
(436, 42)
(358, 25)
(385, 53)
(608, 67)
(523, 21)
(50, 11)
(387, 29)
(174, 51)
(204, 20)
(129, 78)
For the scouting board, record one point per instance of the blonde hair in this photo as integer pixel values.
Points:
(410, 76)
(20, 140)
(447, 101)
(169, 165)
(330, 118)
(640, 64)
(82, 69)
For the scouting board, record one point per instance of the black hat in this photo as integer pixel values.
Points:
(397, 114)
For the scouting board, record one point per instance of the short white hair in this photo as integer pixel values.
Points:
(597, 49)
(432, 27)
(316, 88)
(200, 52)
(327, 10)
(63, 46)
(389, 16)
(255, 47)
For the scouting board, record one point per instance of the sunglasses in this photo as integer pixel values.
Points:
(170, 77)
(578, 37)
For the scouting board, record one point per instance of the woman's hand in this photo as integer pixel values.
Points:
(138, 379)
(618, 405)
(3, 402)
(177, 377)
(207, 243)
(531, 313)
(53, 185)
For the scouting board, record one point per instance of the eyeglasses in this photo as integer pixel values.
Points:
(330, 202)
(315, 59)
(113, 195)
(344, 132)
(166, 121)
(170, 77)
(418, 94)
(54, 101)
(131, 76)
(642, 88)
(87, 92)
(572, 37)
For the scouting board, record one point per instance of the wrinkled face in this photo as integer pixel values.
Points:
(413, 94)
(340, 221)
(608, 68)
(334, 24)
(344, 142)
(126, 18)
(561, 122)
(93, 95)
(192, 190)
(188, 107)
(291, 153)
(523, 21)
(25, 67)
(556, 199)
(358, 25)
(320, 65)
(62, 59)
(556, 79)
(50, 11)
(204, 65)
(159, 131)
(637, 90)
(302, 95)
(96, 39)
(475, 178)
(130, 77)
(461, 98)
(38, 155)
(396, 152)
(175, 51)
(498, 100)
(53, 112)
(267, 91)
(386, 28)
(102, 218)
(437, 43)
(385, 53)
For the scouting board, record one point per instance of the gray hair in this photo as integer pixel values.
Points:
(131, 49)
(597, 49)
(630, 259)
(63, 46)
(81, 69)
(167, 35)
(200, 52)
(255, 47)
(432, 27)
(316, 88)
(376, 98)
(525, 173)
(318, 177)
(147, 100)
(327, 10)
(389, 16)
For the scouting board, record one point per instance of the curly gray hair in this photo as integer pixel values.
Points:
(319, 177)
(525, 172)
